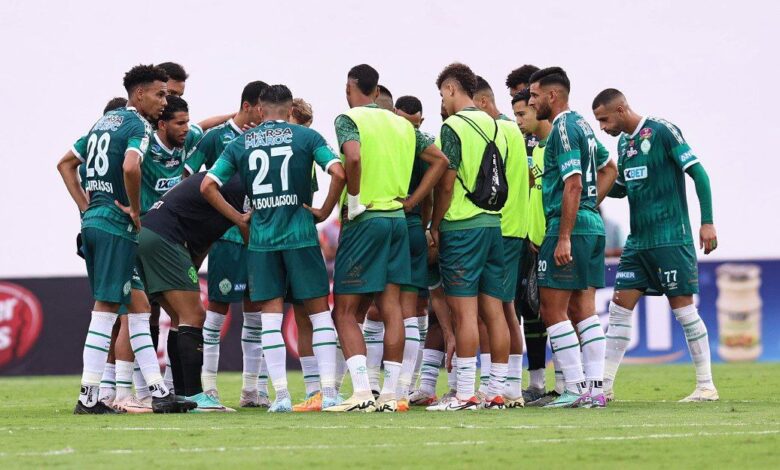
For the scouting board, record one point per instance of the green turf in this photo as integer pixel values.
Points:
(645, 428)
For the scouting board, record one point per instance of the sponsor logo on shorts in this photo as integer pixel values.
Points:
(625, 275)
(637, 173)
(225, 286)
(126, 288)
(21, 319)
(193, 275)
(241, 287)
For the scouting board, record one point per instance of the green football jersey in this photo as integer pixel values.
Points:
(651, 166)
(102, 151)
(207, 151)
(572, 149)
(424, 140)
(161, 170)
(274, 161)
(193, 137)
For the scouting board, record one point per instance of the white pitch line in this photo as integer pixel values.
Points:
(188, 450)
(386, 427)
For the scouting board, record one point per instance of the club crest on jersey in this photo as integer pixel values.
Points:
(638, 173)
(646, 133)
(645, 146)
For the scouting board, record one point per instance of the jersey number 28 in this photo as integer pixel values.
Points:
(97, 154)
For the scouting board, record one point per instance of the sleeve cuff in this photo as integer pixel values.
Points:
(187, 167)
(136, 150)
(620, 183)
(689, 164)
(77, 154)
(571, 173)
(214, 177)
(606, 162)
(331, 163)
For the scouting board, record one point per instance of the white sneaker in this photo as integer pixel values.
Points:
(421, 398)
(131, 405)
(356, 403)
(386, 404)
(702, 394)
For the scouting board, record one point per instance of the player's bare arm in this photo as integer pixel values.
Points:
(337, 182)
(131, 169)
(605, 179)
(68, 168)
(209, 188)
(442, 197)
(572, 190)
(437, 165)
(351, 150)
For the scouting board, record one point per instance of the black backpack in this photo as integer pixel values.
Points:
(491, 189)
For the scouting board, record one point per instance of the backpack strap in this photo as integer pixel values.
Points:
(482, 134)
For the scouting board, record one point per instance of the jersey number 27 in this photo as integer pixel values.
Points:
(261, 156)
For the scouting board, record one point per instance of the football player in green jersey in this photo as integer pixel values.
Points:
(113, 152)
(514, 230)
(274, 161)
(384, 99)
(379, 149)
(471, 251)
(227, 275)
(577, 176)
(517, 81)
(535, 334)
(659, 256)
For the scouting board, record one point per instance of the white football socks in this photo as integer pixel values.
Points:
(467, 373)
(698, 343)
(422, 327)
(94, 355)
(390, 384)
(275, 351)
(497, 384)
(252, 349)
(359, 373)
(411, 347)
(566, 346)
(124, 380)
(143, 348)
(141, 389)
(311, 374)
(429, 371)
(211, 331)
(484, 372)
(514, 377)
(324, 344)
(374, 335)
(108, 383)
(594, 347)
(618, 337)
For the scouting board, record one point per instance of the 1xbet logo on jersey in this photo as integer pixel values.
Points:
(638, 173)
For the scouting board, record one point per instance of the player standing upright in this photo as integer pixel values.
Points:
(227, 275)
(378, 149)
(577, 176)
(514, 229)
(113, 152)
(471, 251)
(659, 257)
(274, 161)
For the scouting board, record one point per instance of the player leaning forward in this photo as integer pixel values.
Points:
(113, 151)
(659, 257)
(577, 176)
(274, 161)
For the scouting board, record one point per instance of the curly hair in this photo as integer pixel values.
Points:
(521, 75)
(460, 73)
(302, 111)
(142, 75)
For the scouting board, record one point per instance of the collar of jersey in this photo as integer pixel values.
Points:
(562, 114)
(234, 126)
(161, 144)
(639, 127)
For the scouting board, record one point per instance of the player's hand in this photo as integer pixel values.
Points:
(434, 241)
(405, 201)
(708, 238)
(243, 226)
(134, 216)
(354, 207)
(449, 347)
(319, 214)
(563, 252)
(248, 126)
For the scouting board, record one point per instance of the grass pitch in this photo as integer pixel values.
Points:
(645, 428)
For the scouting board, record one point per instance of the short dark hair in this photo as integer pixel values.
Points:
(462, 74)
(366, 77)
(252, 90)
(142, 75)
(384, 91)
(521, 75)
(606, 97)
(551, 76)
(482, 85)
(409, 104)
(115, 103)
(175, 105)
(175, 71)
(276, 94)
(522, 95)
